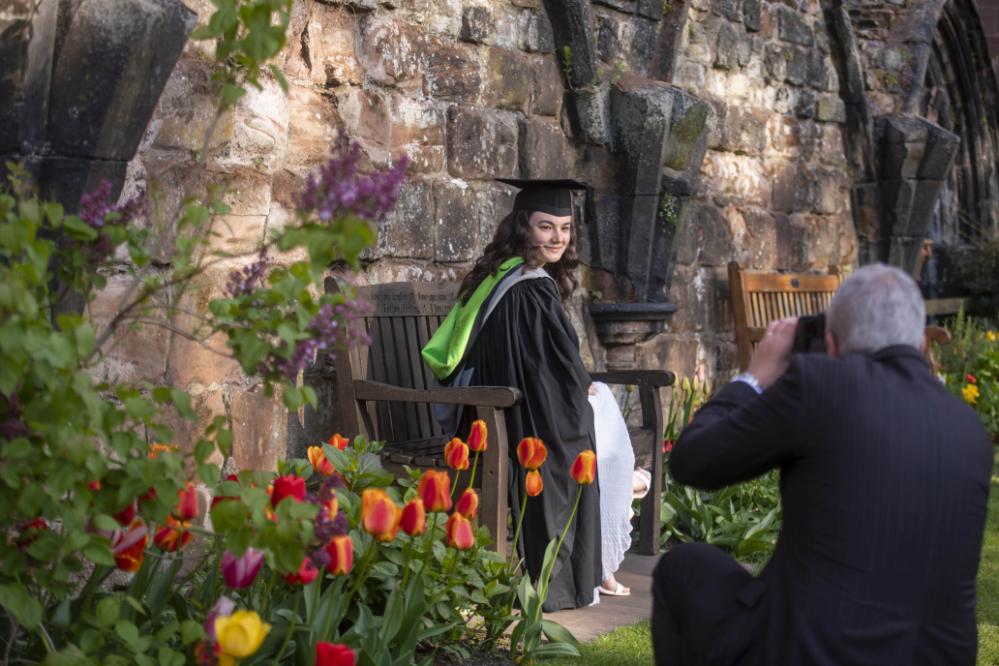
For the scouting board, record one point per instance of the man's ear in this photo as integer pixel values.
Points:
(831, 348)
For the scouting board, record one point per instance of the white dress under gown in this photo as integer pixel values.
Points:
(615, 474)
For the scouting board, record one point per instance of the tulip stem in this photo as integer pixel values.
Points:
(475, 464)
(520, 523)
(292, 624)
(565, 530)
(362, 573)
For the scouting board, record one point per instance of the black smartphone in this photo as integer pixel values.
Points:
(810, 334)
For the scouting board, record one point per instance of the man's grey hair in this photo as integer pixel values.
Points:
(876, 307)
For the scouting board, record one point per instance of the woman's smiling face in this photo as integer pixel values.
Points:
(550, 235)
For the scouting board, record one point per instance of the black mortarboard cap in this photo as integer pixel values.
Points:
(546, 196)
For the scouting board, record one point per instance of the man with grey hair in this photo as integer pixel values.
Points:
(884, 487)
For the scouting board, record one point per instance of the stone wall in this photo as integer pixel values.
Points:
(473, 89)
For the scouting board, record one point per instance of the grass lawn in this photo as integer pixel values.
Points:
(626, 646)
(988, 582)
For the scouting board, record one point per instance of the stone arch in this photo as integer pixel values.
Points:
(960, 95)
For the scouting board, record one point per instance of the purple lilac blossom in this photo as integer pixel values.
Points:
(245, 281)
(333, 327)
(94, 208)
(339, 190)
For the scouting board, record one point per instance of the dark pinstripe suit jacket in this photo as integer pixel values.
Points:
(884, 484)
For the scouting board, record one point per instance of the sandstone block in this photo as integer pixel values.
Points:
(206, 405)
(312, 126)
(390, 52)
(451, 72)
(404, 231)
(367, 117)
(459, 212)
(804, 104)
(608, 42)
(543, 150)
(508, 80)
(547, 93)
(325, 53)
(259, 427)
(775, 62)
(187, 109)
(690, 75)
(792, 189)
(792, 27)
(476, 24)
(237, 234)
(260, 131)
(536, 33)
(726, 47)
(744, 131)
(480, 145)
(751, 15)
(741, 177)
(831, 191)
(757, 242)
(418, 131)
(138, 352)
(798, 63)
(706, 239)
(727, 8)
(831, 109)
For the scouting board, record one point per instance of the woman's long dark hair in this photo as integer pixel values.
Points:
(513, 239)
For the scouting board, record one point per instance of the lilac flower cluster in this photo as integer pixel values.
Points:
(245, 281)
(339, 190)
(332, 328)
(11, 424)
(95, 207)
(326, 527)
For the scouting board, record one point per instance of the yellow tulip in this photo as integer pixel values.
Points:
(970, 393)
(239, 635)
(991, 335)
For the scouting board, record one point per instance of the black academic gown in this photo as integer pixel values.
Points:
(527, 342)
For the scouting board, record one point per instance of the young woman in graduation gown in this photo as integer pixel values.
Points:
(510, 328)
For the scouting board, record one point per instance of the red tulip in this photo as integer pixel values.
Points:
(221, 498)
(334, 654)
(459, 532)
(319, 461)
(30, 531)
(126, 515)
(414, 517)
(128, 545)
(667, 445)
(584, 468)
(456, 454)
(306, 573)
(338, 441)
(173, 536)
(477, 436)
(341, 552)
(187, 507)
(533, 483)
(94, 485)
(468, 504)
(240, 572)
(379, 514)
(970, 378)
(435, 490)
(532, 452)
(289, 485)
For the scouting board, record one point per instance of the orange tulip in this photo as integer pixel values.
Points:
(532, 452)
(379, 514)
(341, 552)
(319, 461)
(338, 441)
(156, 449)
(584, 468)
(187, 506)
(435, 490)
(534, 484)
(173, 536)
(456, 454)
(468, 504)
(414, 517)
(477, 436)
(459, 532)
(128, 546)
(332, 507)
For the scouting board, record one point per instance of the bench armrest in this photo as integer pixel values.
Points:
(476, 396)
(653, 378)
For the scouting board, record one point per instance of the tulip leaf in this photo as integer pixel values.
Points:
(107, 611)
(98, 551)
(25, 608)
(191, 632)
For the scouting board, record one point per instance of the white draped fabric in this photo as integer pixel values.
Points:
(615, 470)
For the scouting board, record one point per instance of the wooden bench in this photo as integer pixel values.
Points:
(386, 392)
(759, 298)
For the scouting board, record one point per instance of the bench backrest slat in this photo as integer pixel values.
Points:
(403, 317)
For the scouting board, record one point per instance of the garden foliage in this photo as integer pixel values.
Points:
(969, 366)
(105, 557)
(744, 518)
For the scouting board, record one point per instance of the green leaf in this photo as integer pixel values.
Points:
(98, 551)
(102, 521)
(231, 94)
(107, 611)
(557, 633)
(25, 608)
(191, 632)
